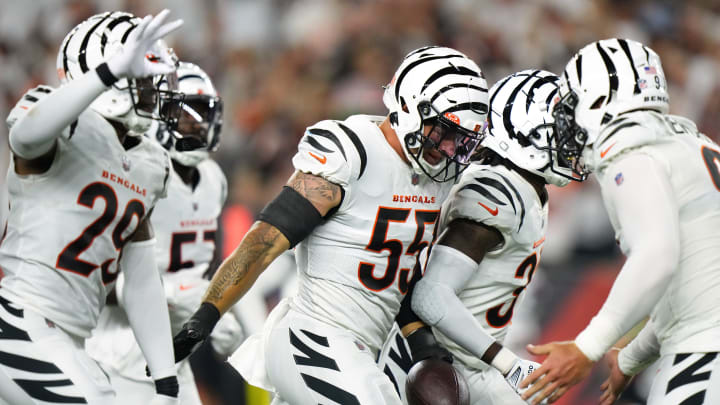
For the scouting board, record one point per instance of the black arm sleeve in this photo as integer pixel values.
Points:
(292, 214)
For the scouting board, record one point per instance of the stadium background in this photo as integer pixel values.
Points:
(281, 65)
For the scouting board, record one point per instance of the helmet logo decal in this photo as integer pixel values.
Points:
(454, 118)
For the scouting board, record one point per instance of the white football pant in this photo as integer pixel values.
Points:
(687, 379)
(42, 364)
(309, 362)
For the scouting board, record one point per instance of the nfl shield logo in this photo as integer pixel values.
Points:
(619, 179)
(125, 163)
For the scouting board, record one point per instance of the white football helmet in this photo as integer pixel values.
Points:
(442, 89)
(605, 79)
(132, 102)
(520, 124)
(194, 125)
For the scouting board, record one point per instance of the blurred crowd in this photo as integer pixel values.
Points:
(281, 65)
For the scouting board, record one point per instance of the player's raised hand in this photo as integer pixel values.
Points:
(616, 382)
(136, 58)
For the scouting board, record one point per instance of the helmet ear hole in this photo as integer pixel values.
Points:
(411, 141)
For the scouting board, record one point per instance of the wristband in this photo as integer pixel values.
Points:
(167, 386)
(106, 76)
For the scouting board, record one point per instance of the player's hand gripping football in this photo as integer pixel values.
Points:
(136, 58)
(518, 372)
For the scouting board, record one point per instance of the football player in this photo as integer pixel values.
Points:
(660, 180)
(82, 184)
(185, 224)
(492, 231)
(363, 201)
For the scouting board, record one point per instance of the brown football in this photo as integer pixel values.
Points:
(436, 382)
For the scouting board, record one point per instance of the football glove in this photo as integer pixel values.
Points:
(518, 372)
(195, 330)
(131, 60)
(424, 346)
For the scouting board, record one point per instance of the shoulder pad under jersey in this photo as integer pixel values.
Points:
(484, 194)
(332, 150)
(626, 132)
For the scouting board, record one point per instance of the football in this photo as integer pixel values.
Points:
(436, 382)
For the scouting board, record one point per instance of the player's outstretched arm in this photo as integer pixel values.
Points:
(36, 125)
(146, 308)
(647, 216)
(283, 223)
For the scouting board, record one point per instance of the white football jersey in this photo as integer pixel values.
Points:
(502, 199)
(686, 318)
(67, 226)
(354, 268)
(187, 220)
(185, 224)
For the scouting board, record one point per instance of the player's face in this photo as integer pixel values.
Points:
(444, 140)
(196, 117)
(146, 94)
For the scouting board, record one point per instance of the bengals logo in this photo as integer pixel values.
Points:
(453, 118)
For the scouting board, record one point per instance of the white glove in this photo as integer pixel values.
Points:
(227, 336)
(159, 399)
(131, 61)
(518, 372)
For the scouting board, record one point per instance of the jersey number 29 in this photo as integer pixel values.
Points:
(69, 259)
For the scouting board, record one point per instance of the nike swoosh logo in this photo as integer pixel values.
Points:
(538, 243)
(604, 152)
(319, 159)
(184, 287)
(493, 212)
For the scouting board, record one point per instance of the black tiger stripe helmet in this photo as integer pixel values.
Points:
(604, 79)
(520, 124)
(439, 87)
(134, 102)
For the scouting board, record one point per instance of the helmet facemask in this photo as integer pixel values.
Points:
(568, 139)
(441, 148)
(195, 121)
(147, 98)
